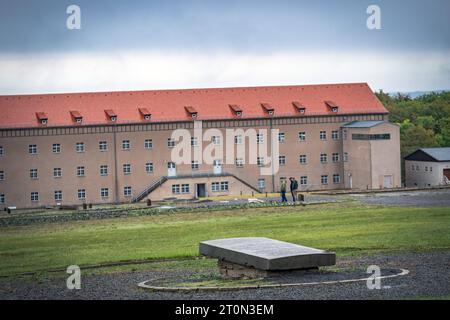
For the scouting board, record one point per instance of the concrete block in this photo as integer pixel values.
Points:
(266, 254)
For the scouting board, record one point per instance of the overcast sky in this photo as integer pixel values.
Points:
(132, 45)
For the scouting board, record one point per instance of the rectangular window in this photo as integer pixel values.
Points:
(282, 160)
(104, 192)
(261, 183)
(103, 146)
(33, 173)
(426, 168)
(215, 186)
(431, 169)
(35, 196)
(360, 136)
(194, 142)
(2, 151)
(335, 157)
(302, 136)
(56, 148)
(302, 159)
(79, 147)
(104, 170)
(239, 162)
(335, 135)
(80, 171)
(58, 195)
(2, 198)
(323, 135)
(81, 194)
(216, 140)
(127, 191)
(303, 180)
(194, 165)
(185, 188)
(260, 161)
(148, 144)
(323, 157)
(57, 172)
(345, 156)
(176, 189)
(259, 138)
(149, 167)
(224, 186)
(170, 142)
(2, 175)
(324, 179)
(127, 168)
(32, 149)
(412, 167)
(238, 139)
(126, 145)
(281, 137)
(336, 178)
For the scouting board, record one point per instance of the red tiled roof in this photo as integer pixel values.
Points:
(169, 105)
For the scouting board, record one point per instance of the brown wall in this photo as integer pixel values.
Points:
(16, 162)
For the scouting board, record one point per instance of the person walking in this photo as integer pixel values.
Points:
(293, 187)
(283, 188)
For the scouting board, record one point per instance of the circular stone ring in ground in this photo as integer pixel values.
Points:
(147, 284)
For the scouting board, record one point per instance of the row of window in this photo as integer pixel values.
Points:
(417, 168)
(148, 143)
(149, 167)
(81, 194)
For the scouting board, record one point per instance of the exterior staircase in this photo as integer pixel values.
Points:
(157, 183)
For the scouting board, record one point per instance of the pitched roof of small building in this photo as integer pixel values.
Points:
(169, 105)
(430, 154)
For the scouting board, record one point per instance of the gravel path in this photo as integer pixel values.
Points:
(429, 276)
(432, 198)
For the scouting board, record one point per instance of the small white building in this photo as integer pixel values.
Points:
(428, 167)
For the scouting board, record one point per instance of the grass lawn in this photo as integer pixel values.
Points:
(347, 229)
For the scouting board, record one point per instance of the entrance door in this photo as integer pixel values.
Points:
(217, 167)
(387, 183)
(171, 169)
(350, 181)
(201, 190)
(446, 173)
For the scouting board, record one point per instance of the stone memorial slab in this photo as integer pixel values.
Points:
(266, 254)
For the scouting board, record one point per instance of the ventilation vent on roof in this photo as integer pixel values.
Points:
(192, 112)
(42, 118)
(333, 106)
(268, 108)
(112, 116)
(76, 116)
(146, 115)
(300, 108)
(236, 109)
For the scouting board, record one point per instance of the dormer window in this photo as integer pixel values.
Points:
(300, 108)
(76, 116)
(236, 109)
(42, 118)
(268, 108)
(146, 115)
(112, 116)
(192, 112)
(332, 106)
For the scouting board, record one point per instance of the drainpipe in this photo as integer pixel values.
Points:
(271, 152)
(116, 182)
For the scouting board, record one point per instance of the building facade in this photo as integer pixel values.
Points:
(428, 167)
(119, 146)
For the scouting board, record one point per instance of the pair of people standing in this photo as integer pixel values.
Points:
(293, 187)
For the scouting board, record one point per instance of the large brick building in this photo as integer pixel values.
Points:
(117, 146)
